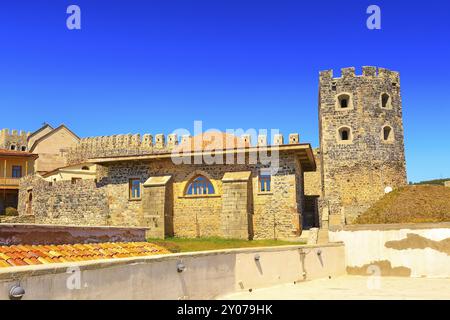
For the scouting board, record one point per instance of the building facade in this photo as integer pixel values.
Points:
(237, 199)
(360, 158)
(13, 166)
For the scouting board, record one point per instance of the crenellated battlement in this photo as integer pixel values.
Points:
(135, 144)
(14, 139)
(367, 71)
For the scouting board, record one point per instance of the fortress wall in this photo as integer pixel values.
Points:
(120, 145)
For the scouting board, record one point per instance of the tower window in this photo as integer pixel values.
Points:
(24, 148)
(343, 102)
(13, 147)
(388, 134)
(385, 101)
(345, 134)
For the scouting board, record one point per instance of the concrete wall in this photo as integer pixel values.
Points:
(410, 250)
(33, 234)
(207, 275)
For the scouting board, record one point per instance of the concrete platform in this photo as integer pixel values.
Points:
(353, 288)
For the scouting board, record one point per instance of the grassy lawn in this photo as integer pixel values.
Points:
(204, 244)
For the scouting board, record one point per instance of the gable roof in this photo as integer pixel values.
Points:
(51, 133)
(39, 130)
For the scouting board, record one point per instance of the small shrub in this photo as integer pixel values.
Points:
(11, 212)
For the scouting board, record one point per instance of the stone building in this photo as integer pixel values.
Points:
(52, 145)
(13, 166)
(360, 157)
(236, 197)
(361, 152)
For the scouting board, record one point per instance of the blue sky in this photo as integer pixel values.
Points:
(155, 66)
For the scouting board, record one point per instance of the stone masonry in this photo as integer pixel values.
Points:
(356, 170)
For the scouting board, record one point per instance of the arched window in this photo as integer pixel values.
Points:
(344, 101)
(385, 101)
(85, 168)
(24, 148)
(13, 147)
(200, 185)
(388, 134)
(345, 134)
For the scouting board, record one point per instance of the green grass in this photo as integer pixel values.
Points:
(439, 182)
(203, 244)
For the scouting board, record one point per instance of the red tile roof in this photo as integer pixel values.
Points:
(23, 255)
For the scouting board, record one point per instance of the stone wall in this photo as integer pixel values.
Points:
(32, 234)
(275, 215)
(356, 171)
(313, 179)
(120, 145)
(63, 202)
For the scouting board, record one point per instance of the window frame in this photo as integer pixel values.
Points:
(267, 177)
(339, 135)
(13, 171)
(130, 189)
(391, 137)
(388, 103)
(208, 183)
(338, 101)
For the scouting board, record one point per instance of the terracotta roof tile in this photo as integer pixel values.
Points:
(22, 255)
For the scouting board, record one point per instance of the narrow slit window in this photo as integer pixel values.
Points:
(387, 133)
(344, 101)
(345, 134)
(385, 99)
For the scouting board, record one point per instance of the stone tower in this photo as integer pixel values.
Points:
(14, 140)
(361, 140)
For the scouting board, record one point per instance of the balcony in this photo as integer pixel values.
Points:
(9, 183)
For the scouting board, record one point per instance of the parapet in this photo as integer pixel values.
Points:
(14, 133)
(134, 144)
(367, 71)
